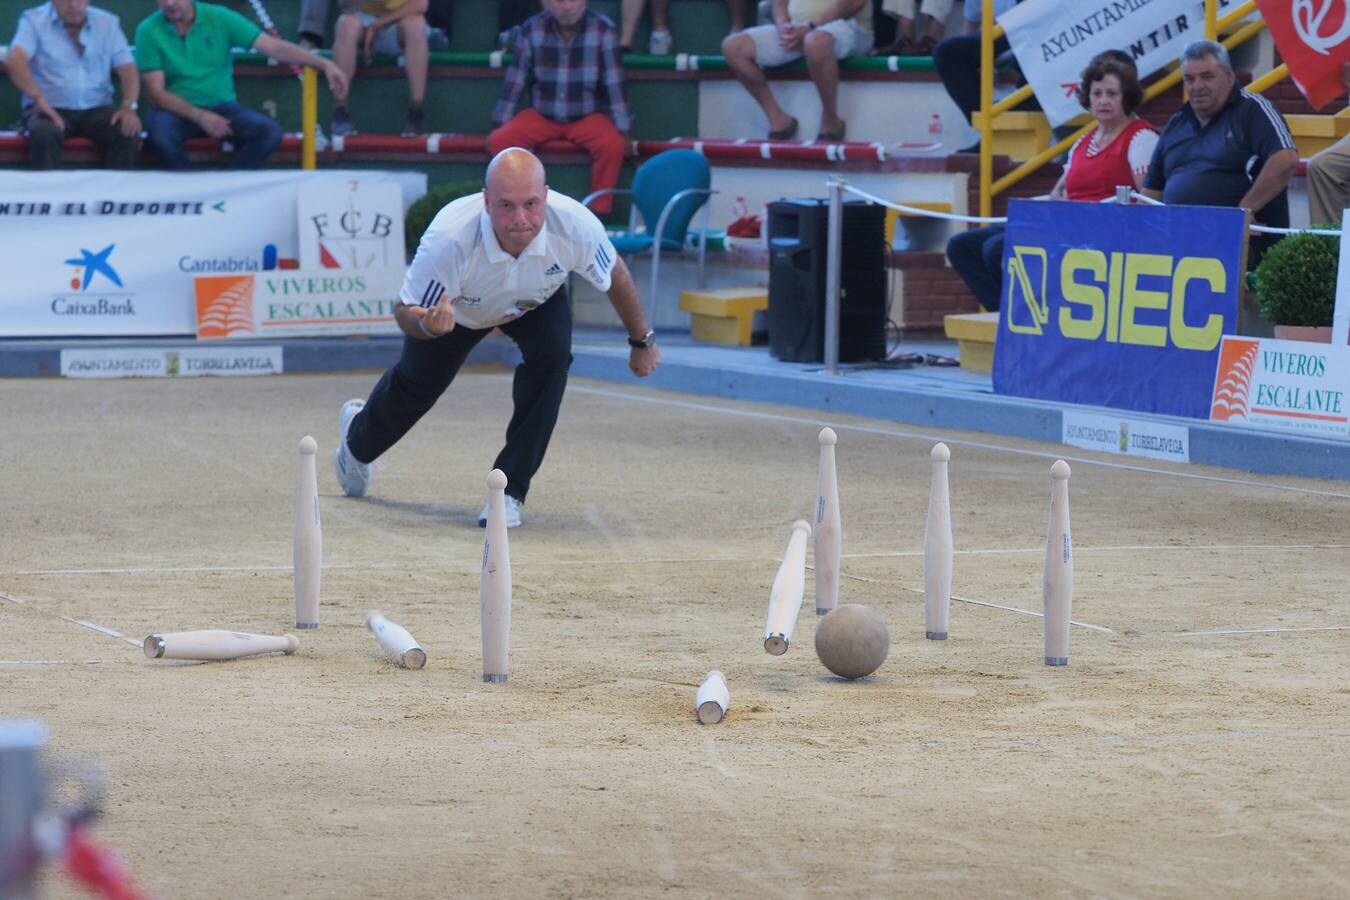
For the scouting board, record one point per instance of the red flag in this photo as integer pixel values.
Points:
(1313, 37)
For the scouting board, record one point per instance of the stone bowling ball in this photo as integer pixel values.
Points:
(852, 640)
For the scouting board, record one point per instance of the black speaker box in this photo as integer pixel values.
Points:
(797, 255)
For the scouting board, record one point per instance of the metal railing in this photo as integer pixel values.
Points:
(990, 32)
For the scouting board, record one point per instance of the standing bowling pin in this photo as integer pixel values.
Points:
(1058, 582)
(937, 550)
(827, 532)
(712, 701)
(307, 547)
(216, 644)
(785, 597)
(396, 641)
(494, 594)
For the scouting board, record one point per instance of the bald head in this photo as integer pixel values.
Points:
(516, 198)
(514, 167)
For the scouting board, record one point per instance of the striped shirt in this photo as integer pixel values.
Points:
(68, 78)
(459, 257)
(567, 81)
(1216, 163)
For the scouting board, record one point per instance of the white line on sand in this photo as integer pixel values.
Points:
(1265, 630)
(915, 435)
(83, 623)
(683, 560)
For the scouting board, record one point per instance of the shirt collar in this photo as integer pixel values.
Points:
(493, 248)
(55, 19)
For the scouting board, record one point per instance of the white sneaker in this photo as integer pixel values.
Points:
(512, 512)
(660, 43)
(353, 475)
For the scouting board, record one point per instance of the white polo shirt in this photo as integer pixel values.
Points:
(459, 256)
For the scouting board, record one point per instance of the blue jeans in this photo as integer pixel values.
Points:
(254, 136)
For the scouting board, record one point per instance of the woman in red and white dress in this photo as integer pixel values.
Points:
(1115, 153)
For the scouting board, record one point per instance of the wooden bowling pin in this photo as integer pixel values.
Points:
(307, 546)
(396, 641)
(1057, 586)
(937, 550)
(216, 644)
(828, 538)
(494, 594)
(713, 699)
(785, 597)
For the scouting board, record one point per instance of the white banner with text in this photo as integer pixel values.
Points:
(1292, 385)
(103, 253)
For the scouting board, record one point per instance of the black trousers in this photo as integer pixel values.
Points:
(411, 388)
(44, 138)
(977, 256)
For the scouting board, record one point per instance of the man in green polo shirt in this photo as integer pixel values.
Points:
(187, 71)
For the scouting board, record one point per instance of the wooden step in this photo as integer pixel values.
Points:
(725, 316)
(974, 334)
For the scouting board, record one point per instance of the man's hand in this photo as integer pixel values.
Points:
(217, 126)
(791, 36)
(127, 121)
(337, 80)
(642, 360)
(368, 35)
(436, 321)
(46, 109)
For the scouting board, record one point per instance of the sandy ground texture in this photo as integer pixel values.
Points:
(1196, 745)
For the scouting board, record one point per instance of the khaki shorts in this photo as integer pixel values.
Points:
(850, 39)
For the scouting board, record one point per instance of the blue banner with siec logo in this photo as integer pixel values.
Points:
(1120, 306)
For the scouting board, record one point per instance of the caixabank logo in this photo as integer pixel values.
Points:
(95, 287)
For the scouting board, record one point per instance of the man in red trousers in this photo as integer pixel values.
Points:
(568, 56)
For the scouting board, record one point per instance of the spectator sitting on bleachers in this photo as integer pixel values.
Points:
(1116, 152)
(630, 13)
(314, 23)
(60, 60)
(957, 61)
(1329, 177)
(184, 52)
(388, 27)
(1225, 147)
(568, 56)
(823, 31)
(908, 41)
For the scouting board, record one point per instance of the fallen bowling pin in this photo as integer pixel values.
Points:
(713, 699)
(937, 550)
(785, 597)
(1057, 584)
(396, 641)
(307, 543)
(494, 594)
(828, 534)
(215, 644)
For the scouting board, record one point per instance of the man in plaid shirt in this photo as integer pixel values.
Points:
(568, 57)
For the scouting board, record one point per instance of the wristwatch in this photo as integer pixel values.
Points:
(131, 105)
(648, 340)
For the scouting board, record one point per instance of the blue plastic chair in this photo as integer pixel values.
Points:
(667, 191)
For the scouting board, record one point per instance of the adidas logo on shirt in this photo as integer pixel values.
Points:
(554, 269)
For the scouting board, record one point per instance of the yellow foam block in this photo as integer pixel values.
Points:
(725, 316)
(1313, 134)
(893, 215)
(1019, 135)
(974, 334)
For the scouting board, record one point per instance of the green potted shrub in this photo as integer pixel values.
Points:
(1296, 285)
(424, 209)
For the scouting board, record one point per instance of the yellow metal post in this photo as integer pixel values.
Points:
(1212, 19)
(986, 107)
(309, 115)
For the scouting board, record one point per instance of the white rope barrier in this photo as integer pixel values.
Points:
(932, 214)
(1260, 229)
